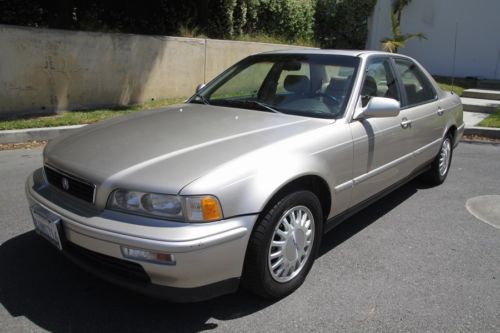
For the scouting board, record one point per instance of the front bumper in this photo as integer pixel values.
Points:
(209, 257)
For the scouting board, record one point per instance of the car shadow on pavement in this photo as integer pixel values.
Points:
(40, 284)
(367, 216)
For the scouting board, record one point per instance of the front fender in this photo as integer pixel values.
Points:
(244, 186)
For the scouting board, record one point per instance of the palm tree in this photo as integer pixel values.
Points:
(398, 40)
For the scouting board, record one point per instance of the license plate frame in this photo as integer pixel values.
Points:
(48, 225)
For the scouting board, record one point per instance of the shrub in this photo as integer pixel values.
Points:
(343, 24)
(292, 19)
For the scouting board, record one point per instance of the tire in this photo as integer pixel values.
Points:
(290, 248)
(440, 166)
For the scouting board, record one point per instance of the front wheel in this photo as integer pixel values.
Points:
(283, 245)
(441, 164)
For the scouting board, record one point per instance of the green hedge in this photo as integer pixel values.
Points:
(291, 19)
(332, 23)
(343, 24)
(161, 17)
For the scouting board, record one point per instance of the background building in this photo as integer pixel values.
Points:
(474, 23)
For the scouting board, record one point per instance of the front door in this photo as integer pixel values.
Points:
(382, 147)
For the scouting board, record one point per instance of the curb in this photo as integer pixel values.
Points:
(489, 132)
(34, 134)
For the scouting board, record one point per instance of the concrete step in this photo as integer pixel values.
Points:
(482, 94)
(480, 105)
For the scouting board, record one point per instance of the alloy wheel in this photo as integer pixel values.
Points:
(291, 243)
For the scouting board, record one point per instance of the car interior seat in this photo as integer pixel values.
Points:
(297, 84)
(369, 90)
(338, 87)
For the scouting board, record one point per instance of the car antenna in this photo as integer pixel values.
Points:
(454, 60)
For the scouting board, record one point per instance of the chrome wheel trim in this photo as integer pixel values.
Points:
(291, 243)
(444, 157)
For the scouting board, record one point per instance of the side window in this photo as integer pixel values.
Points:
(417, 87)
(379, 81)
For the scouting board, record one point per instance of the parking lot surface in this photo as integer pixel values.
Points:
(415, 261)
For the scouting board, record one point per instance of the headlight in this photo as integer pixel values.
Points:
(195, 208)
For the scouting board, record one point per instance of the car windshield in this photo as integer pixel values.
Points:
(314, 85)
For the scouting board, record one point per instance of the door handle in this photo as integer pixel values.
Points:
(440, 111)
(405, 123)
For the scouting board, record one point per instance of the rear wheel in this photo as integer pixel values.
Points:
(441, 164)
(283, 245)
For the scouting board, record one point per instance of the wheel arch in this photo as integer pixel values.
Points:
(256, 273)
(313, 183)
(452, 130)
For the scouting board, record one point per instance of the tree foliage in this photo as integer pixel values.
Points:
(231, 18)
(343, 24)
(162, 17)
(335, 23)
(292, 19)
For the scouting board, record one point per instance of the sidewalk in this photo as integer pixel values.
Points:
(471, 119)
(34, 134)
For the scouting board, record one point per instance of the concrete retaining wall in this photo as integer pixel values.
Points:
(45, 70)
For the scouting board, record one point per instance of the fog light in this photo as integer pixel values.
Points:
(149, 256)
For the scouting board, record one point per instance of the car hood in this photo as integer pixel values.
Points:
(165, 149)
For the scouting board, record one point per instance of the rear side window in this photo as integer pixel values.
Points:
(417, 87)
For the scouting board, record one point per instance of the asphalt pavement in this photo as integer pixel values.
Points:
(415, 261)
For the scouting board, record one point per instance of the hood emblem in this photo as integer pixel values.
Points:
(65, 184)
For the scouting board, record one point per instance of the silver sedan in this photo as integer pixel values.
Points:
(237, 185)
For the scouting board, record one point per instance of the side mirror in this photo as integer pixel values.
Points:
(199, 87)
(379, 107)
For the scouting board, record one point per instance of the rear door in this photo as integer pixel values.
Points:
(422, 108)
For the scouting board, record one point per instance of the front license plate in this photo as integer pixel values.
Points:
(47, 225)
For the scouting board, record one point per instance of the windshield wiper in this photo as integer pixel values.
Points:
(253, 104)
(266, 106)
(202, 98)
(249, 104)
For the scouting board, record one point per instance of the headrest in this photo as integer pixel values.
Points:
(369, 87)
(297, 83)
(338, 84)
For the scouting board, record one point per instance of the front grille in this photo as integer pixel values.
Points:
(70, 184)
(106, 264)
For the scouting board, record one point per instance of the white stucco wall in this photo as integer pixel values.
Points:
(477, 24)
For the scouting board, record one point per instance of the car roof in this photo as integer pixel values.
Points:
(352, 53)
